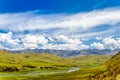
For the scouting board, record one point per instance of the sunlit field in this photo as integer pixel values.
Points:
(44, 66)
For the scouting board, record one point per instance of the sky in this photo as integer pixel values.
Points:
(59, 24)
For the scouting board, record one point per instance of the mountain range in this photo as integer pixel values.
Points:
(68, 53)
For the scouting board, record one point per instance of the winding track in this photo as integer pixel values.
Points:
(37, 73)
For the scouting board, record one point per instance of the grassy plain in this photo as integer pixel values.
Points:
(43, 66)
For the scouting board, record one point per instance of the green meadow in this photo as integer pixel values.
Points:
(44, 66)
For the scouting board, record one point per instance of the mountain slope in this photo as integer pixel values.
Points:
(67, 53)
(112, 72)
(8, 59)
(30, 62)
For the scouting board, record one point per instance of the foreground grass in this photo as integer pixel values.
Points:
(112, 71)
(43, 66)
(82, 74)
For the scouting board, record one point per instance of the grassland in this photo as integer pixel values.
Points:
(43, 66)
(112, 71)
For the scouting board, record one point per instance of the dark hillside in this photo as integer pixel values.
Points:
(112, 72)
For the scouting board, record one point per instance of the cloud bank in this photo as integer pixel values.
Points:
(61, 42)
(84, 30)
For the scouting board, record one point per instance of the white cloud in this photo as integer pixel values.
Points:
(30, 46)
(7, 38)
(76, 25)
(111, 43)
(98, 38)
(61, 42)
(95, 34)
(66, 46)
(39, 42)
(8, 42)
(69, 44)
(31, 21)
(68, 40)
(98, 46)
(71, 28)
(32, 39)
(107, 43)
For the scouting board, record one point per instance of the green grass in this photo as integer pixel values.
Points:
(112, 71)
(82, 74)
(45, 66)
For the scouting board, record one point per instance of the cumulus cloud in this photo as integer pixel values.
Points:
(107, 43)
(8, 42)
(7, 38)
(40, 42)
(32, 39)
(66, 46)
(32, 42)
(30, 46)
(61, 42)
(69, 40)
(98, 46)
(111, 43)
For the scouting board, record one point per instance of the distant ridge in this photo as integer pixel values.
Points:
(68, 53)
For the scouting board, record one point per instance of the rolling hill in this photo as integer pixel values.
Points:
(31, 62)
(112, 71)
(26, 61)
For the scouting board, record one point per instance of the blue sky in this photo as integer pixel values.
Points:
(55, 6)
(63, 24)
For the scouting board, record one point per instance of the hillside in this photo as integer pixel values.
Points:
(24, 61)
(112, 71)
(29, 63)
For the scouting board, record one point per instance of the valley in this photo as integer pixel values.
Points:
(44, 66)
